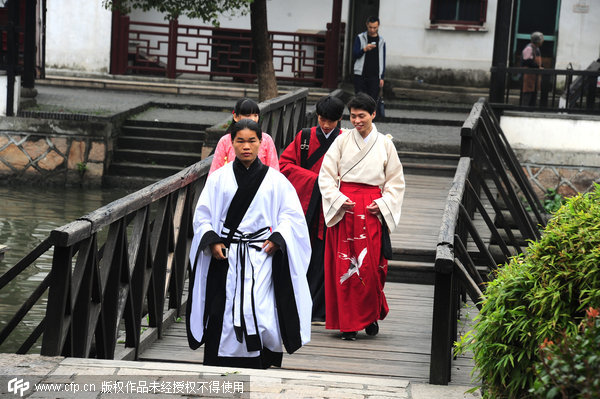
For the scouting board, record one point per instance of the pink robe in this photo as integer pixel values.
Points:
(224, 153)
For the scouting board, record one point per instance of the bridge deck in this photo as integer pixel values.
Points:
(402, 349)
(422, 210)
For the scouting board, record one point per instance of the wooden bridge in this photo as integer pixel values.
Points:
(117, 289)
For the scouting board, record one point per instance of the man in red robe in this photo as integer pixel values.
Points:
(300, 163)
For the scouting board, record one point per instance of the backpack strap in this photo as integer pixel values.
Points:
(304, 143)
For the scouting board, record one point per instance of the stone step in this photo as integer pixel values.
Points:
(436, 95)
(193, 85)
(165, 125)
(429, 163)
(411, 272)
(434, 157)
(159, 144)
(129, 182)
(419, 120)
(158, 131)
(133, 169)
(428, 169)
(166, 158)
(423, 85)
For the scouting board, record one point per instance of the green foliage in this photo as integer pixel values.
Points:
(553, 200)
(571, 367)
(82, 167)
(206, 10)
(538, 296)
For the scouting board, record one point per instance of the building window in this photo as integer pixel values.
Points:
(464, 12)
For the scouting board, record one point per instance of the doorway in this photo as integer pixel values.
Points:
(531, 16)
(359, 11)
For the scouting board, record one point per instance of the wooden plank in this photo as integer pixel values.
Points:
(402, 349)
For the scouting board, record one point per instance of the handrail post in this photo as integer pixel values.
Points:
(172, 49)
(12, 55)
(332, 46)
(29, 45)
(441, 335)
(56, 309)
(500, 52)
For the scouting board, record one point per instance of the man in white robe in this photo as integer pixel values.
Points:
(362, 186)
(249, 294)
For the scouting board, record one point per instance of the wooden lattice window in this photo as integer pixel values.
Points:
(466, 12)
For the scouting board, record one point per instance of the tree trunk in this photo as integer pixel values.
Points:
(263, 55)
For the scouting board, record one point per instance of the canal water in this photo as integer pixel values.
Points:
(27, 216)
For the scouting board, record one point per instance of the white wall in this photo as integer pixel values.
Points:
(410, 42)
(578, 33)
(554, 139)
(282, 15)
(78, 35)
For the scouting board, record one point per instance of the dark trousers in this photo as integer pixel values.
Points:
(529, 98)
(367, 85)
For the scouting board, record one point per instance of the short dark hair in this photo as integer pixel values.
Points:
(362, 101)
(371, 19)
(245, 124)
(331, 108)
(246, 106)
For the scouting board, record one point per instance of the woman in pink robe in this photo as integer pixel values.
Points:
(245, 108)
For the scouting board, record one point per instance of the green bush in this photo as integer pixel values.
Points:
(553, 200)
(571, 367)
(538, 296)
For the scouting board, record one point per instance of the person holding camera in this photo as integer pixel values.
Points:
(369, 59)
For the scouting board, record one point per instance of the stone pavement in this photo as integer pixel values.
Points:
(422, 137)
(87, 378)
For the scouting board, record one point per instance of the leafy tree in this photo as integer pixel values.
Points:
(209, 11)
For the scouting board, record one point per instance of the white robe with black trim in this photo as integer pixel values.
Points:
(275, 205)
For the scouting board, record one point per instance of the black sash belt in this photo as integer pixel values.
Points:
(246, 241)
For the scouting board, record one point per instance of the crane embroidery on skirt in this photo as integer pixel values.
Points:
(355, 265)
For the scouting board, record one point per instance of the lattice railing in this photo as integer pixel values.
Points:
(173, 48)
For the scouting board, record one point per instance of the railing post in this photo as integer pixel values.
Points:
(172, 49)
(441, 335)
(29, 45)
(591, 91)
(56, 309)
(332, 47)
(12, 55)
(120, 44)
(500, 53)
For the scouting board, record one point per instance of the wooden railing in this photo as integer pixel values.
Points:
(489, 196)
(284, 116)
(171, 48)
(127, 259)
(563, 90)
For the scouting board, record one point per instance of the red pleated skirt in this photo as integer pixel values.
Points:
(355, 269)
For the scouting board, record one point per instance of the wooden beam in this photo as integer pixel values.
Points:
(504, 13)
(29, 50)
